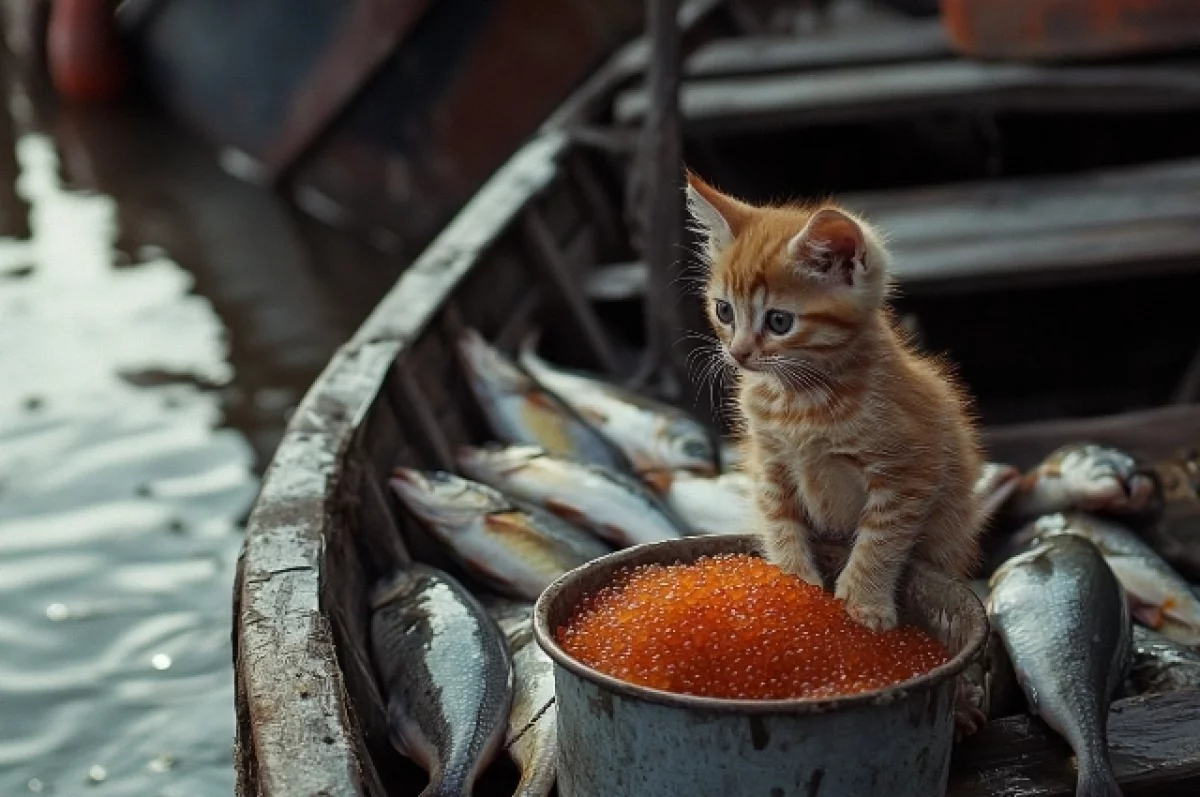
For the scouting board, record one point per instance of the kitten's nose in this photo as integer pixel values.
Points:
(741, 354)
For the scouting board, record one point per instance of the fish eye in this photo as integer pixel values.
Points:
(724, 311)
(780, 322)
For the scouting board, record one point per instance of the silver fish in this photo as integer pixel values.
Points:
(522, 412)
(532, 737)
(997, 483)
(1064, 620)
(611, 505)
(1084, 476)
(653, 436)
(1161, 665)
(1160, 598)
(712, 505)
(725, 504)
(447, 674)
(513, 548)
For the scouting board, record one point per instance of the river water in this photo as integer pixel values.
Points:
(158, 321)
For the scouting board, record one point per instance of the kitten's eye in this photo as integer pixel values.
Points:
(724, 311)
(779, 322)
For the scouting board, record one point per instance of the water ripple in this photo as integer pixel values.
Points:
(121, 502)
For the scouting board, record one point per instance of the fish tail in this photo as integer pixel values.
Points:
(1096, 779)
(441, 786)
(535, 783)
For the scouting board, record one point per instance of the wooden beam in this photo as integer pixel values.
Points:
(723, 105)
(658, 171)
(843, 46)
(1149, 434)
(564, 277)
(1024, 232)
(1153, 741)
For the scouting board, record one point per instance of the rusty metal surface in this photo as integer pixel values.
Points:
(1066, 29)
(429, 131)
(621, 740)
(372, 33)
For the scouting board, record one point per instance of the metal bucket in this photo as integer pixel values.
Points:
(621, 740)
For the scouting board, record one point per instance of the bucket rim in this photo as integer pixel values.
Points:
(660, 552)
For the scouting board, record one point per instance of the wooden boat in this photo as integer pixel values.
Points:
(543, 244)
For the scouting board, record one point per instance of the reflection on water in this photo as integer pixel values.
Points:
(119, 511)
(122, 484)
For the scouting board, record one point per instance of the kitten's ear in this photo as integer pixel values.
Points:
(718, 216)
(832, 244)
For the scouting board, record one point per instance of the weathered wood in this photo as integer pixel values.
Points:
(294, 691)
(1149, 433)
(658, 177)
(1154, 747)
(844, 45)
(593, 96)
(1027, 231)
(877, 92)
(563, 275)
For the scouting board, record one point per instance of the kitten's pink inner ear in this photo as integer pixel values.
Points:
(732, 211)
(831, 241)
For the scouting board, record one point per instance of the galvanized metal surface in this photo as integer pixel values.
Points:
(618, 739)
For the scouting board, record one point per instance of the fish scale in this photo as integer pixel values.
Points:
(511, 547)
(447, 674)
(614, 507)
(1064, 620)
(654, 437)
(520, 411)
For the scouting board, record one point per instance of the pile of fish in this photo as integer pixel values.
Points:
(580, 467)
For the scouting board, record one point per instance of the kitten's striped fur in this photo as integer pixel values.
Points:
(850, 433)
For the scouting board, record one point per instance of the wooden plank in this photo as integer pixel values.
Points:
(723, 105)
(563, 275)
(965, 237)
(1005, 207)
(596, 92)
(1154, 747)
(843, 46)
(1139, 248)
(1133, 249)
(1151, 434)
(657, 202)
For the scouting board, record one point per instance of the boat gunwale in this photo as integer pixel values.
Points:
(279, 577)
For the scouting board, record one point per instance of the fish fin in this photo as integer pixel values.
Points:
(543, 400)
(506, 523)
(614, 534)
(566, 511)
(535, 783)
(1096, 780)
(1146, 614)
(592, 416)
(659, 480)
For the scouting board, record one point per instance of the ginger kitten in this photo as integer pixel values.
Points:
(850, 434)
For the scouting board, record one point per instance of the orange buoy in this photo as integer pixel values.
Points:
(84, 50)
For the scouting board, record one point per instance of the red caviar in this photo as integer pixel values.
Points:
(736, 626)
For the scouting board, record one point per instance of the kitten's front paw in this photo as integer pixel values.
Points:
(797, 565)
(873, 612)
